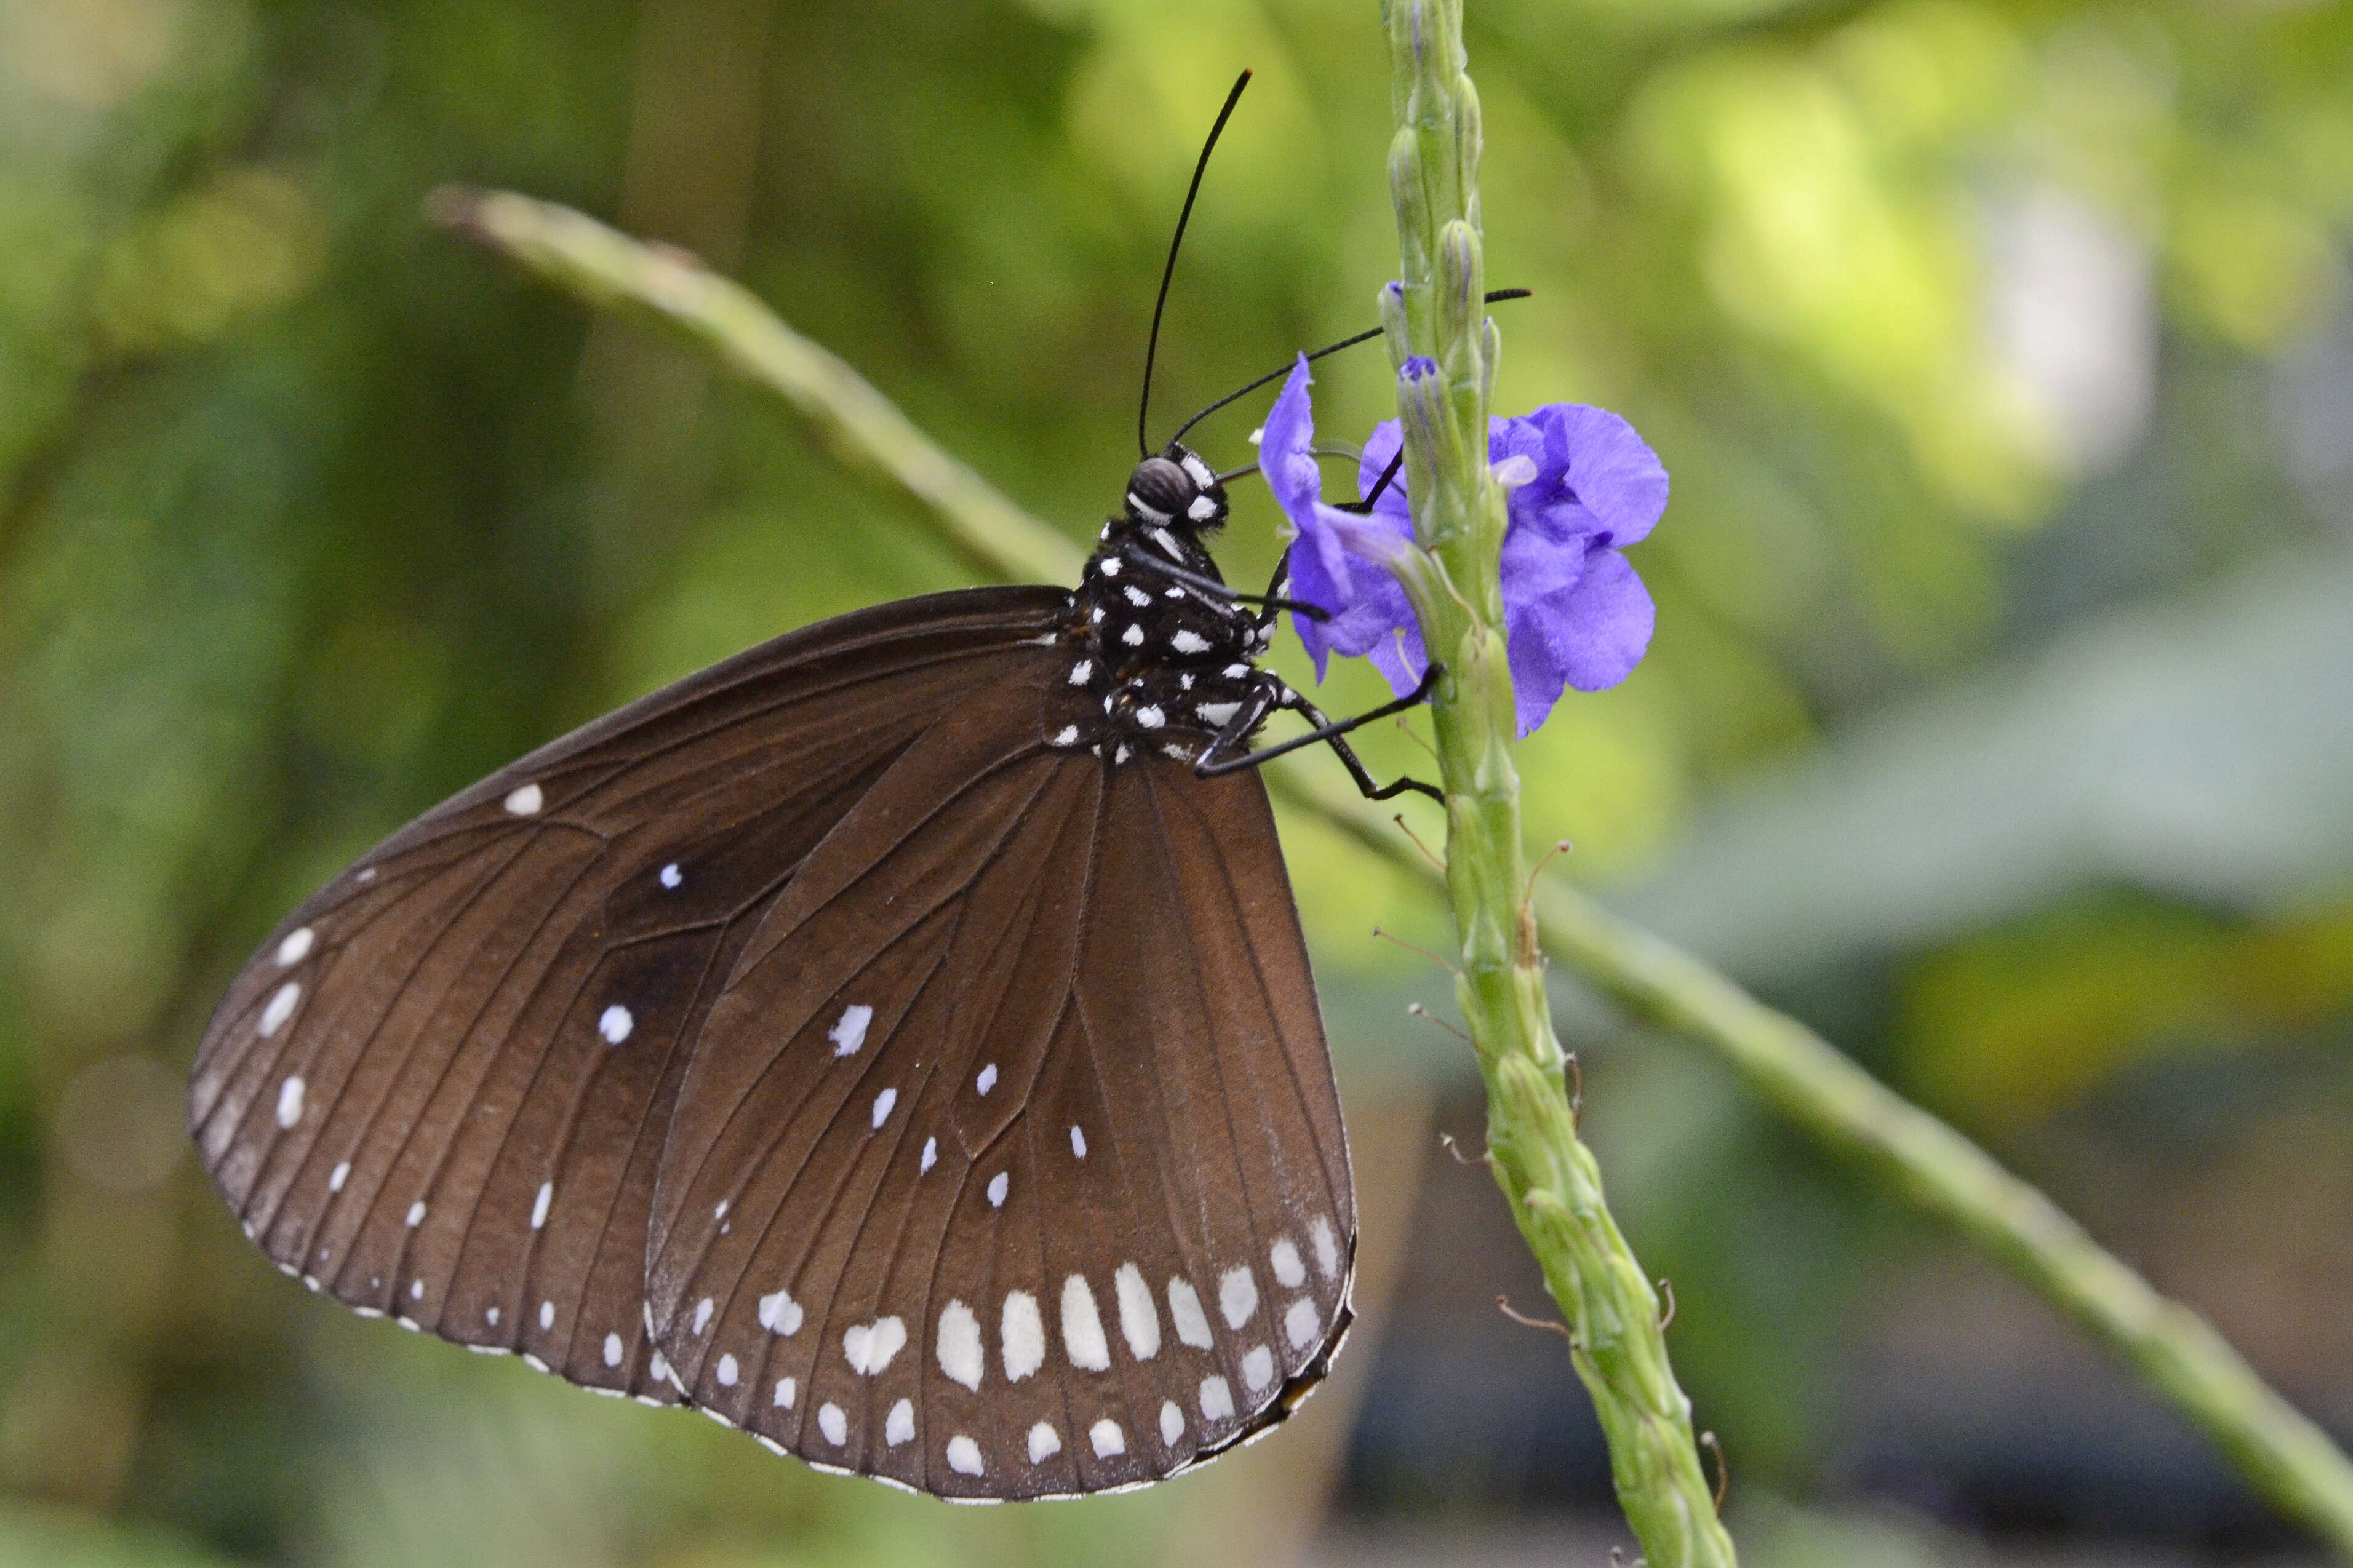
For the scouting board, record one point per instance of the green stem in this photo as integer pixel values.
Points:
(2285, 1456)
(1446, 349)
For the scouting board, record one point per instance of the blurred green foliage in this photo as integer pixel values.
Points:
(308, 517)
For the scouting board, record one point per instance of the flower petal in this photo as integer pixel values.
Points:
(1338, 561)
(1593, 459)
(1604, 623)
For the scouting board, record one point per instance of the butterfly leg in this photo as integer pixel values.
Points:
(1217, 757)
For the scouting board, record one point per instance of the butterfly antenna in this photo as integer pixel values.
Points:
(1152, 343)
(1363, 337)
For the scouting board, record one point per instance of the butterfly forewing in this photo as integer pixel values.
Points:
(424, 1094)
(1009, 1194)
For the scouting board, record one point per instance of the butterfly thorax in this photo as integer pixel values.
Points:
(1164, 664)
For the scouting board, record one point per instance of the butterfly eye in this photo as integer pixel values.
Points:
(1159, 489)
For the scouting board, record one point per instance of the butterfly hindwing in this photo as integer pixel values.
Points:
(983, 1181)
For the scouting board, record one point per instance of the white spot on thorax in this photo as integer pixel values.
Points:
(1044, 1443)
(899, 1427)
(1236, 671)
(525, 802)
(998, 1186)
(988, 1078)
(1021, 1335)
(1194, 465)
(786, 1389)
(833, 1423)
(541, 1204)
(931, 1155)
(1082, 1331)
(1133, 637)
(1108, 567)
(1184, 1307)
(882, 1104)
(1167, 543)
(1203, 509)
(547, 1315)
(1327, 1248)
(613, 1349)
(615, 1024)
(780, 1314)
(964, 1456)
(280, 1008)
(1189, 642)
(1288, 1268)
(958, 1345)
(338, 1176)
(1301, 1324)
(868, 1347)
(1258, 1368)
(1237, 1296)
(1136, 595)
(290, 1103)
(671, 876)
(295, 948)
(415, 1214)
(1139, 1320)
(1078, 1143)
(1106, 1438)
(728, 1372)
(850, 1032)
(1216, 1399)
(1172, 1423)
(1216, 715)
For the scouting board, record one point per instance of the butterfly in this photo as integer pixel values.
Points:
(896, 1041)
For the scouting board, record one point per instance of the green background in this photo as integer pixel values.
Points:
(1999, 720)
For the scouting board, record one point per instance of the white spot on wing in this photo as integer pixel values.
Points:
(1184, 1307)
(1258, 1368)
(338, 1176)
(988, 1078)
(959, 1345)
(525, 802)
(780, 1314)
(541, 1204)
(1080, 672)
(728, 1372)
(1022, 1335)
(1301, 1323)
(1150, 716)
(833, 1423)
(1288, 1268)
(1216, 1399)
(290, 1103)
(1172, 1423)
(1067, 735)
(612, 1349)
(964, 1456)
(1327, 1249)
(850, 1032)
(548, 1315)
(615, 1024)
(703, 1310)
(899, 1427)
(1078, 1143)
(882, 1104)
(671, 876)
(870, 1346)
(786, 1388)
(1139, 1320)
(1237, 1296)
(1106, 1438)
(415, 1214)
(280, 1008)
(931, 1155)
(1044, 1443)
(295, 948)
(1082, 1331)
(998, 1185)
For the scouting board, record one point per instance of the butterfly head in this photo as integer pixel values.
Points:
(1177, 491)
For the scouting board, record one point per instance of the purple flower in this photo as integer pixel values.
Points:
(1581, 484)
